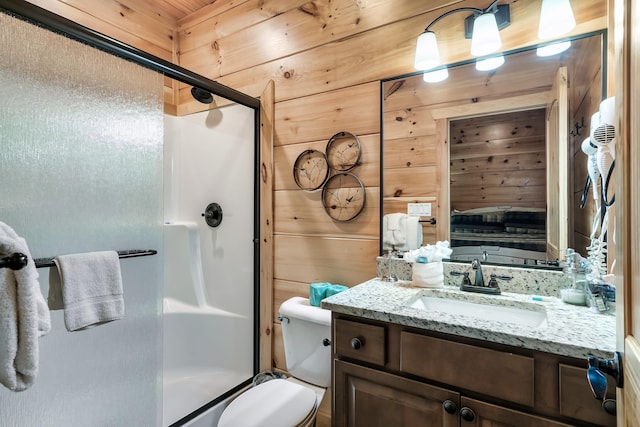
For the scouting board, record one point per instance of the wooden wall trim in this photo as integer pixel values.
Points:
(267, 122)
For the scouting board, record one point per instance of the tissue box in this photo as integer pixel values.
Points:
(429, 275)
(317, 292)
(335, 289)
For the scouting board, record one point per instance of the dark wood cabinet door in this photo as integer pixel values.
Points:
(365, 397)
(474, 413)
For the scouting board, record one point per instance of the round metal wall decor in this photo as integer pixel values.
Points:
(343, 196)
(310, 170)
(343, 151)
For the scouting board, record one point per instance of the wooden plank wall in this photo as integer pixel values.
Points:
(498, 160)
(326, 58)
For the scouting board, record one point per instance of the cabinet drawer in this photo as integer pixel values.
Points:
(359, 341)
(495, 373)
(577, 400)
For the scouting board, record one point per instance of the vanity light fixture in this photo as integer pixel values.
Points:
(556, 19)
(482, 27)
(435, 76)
(553, 48)
(491, 63)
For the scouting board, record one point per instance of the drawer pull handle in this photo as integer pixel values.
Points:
(467, 414)
(449, 406)
(356, 343)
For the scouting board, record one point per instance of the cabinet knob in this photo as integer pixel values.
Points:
(356, 343)
(467, 414)
(450, 406)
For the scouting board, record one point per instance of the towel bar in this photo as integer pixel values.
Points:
(18, 260)
(431, 221)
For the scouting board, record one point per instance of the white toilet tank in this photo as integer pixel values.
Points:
(306, 331)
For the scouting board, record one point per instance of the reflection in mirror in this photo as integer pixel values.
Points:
(497, 155)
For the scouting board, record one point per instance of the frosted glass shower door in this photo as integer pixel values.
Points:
(81, 136)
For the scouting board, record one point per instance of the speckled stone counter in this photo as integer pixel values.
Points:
(544, 282)
(569, 330)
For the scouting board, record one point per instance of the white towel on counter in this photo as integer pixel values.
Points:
(24, 316)
(88, 286)
(401, 232)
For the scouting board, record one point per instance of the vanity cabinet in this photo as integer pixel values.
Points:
(373, 398)
(386, 374)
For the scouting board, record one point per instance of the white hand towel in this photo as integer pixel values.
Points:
(89, 288)
(24, 316)
(413, 232)
(393, 231)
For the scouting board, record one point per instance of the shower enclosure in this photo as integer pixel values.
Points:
(90, 162)
(209, 261)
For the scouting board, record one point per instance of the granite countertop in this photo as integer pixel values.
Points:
(569, 330)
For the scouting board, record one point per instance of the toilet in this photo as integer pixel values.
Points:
(291, 402)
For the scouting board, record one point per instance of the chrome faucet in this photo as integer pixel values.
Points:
(479, 280)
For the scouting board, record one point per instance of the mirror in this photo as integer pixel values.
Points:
(496, 154)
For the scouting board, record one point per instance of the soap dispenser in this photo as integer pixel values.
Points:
(574, 289)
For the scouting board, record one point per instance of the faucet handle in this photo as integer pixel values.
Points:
(465, 279)
(465, 276)
(493, 282)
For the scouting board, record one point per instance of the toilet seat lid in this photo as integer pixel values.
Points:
(275, 403)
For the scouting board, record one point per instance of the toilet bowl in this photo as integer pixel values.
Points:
(291, 402)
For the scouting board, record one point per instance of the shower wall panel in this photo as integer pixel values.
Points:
(209, 157)
(209, 289)
(81, 136)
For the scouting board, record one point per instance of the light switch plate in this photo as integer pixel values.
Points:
(419, 209)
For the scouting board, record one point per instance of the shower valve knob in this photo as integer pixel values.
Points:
(213, 215)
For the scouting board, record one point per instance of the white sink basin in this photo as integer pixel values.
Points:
(521, 313)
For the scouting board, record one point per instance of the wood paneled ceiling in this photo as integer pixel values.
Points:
(178, 9)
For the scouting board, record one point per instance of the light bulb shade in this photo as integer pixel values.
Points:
(427, 54)
(489, 64)
(485, 38)
(553, 49)
(435, 76)
(556, 19)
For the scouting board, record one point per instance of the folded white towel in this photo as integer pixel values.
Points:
(24, 316)
(401, 232)
(89, 288)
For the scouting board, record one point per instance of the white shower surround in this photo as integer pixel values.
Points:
(208, 300)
